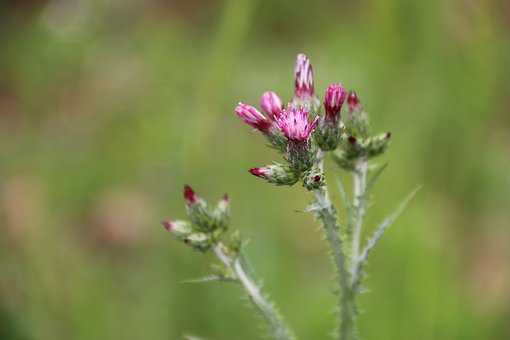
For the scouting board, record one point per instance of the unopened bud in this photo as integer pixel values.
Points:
(304, 92)
(189, 195)
(314, 179)
(333, 101)
(197, 209)
(271, 104)
(253, 117)
(353, 102)
(199, 241)
(276, 174)
(378, 144)
(222, 212)
(180, 229)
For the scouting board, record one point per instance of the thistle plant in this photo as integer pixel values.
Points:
(304, 132)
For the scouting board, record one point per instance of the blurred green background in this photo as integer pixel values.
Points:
(108, 107)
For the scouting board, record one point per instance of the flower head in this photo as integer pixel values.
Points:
(353, 102)
(253, 117)
(303, 77)
(293, 122)
(271, 104)
(333, 101)
(190, 196)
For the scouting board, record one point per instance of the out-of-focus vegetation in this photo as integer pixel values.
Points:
(108, 107)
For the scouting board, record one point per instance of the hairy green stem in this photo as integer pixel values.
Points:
(359, 204)
(278, 328)
(326, 212)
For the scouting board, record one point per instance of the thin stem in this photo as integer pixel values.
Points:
(359, 204)
(326, 212)
(279, 329)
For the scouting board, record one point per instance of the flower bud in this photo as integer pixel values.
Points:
(199, 241)
(197, 209)
(377, 145)
(271, 104)
(180, 229)
(253, 117)
(304, 92)
(303, 77)
(328, 135)
(314, 178)
(190, 196)
(333, 100)
(222, 212)
(356, 123)
(353, 102)
(276, 174)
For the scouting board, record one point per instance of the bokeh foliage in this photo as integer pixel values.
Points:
(108, 107)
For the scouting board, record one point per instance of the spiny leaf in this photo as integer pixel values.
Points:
(211, 278)
(343, 194)
(348, 206)
(378, 233)
(373, 179)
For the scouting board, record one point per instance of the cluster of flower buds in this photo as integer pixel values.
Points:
(206, 224)
(299, 130)
(357, 141)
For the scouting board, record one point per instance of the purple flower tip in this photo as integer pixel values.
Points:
(189, 195)
(388, 135)
(168, 224)
(271, 104)
(353, 101)
(225, 198)
(294, 124)
(333, 101)
(352, 140)
(303, 77)
(253, 117)
(259, 172)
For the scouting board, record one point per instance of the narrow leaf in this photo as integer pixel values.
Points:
(378, 233)
(211, 278)
(343, 194)
(192, 337)
(373, 179)
(350, 212)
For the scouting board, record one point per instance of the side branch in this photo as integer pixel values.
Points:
(279, 329)
(359, 205)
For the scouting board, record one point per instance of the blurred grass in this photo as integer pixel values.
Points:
(108, 108)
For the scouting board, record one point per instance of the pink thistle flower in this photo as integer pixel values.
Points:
(190, 196)
(353, 101)
(253, 117)
(293, 122)
(333, 101)
(271, 104)
(303, 77)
